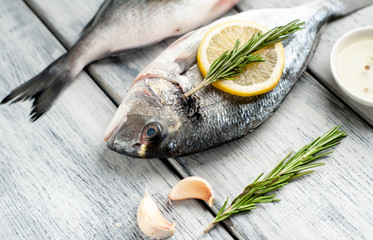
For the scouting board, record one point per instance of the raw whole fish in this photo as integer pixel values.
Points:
(118, 26)
(155, 121)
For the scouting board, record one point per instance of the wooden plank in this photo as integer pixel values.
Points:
(67, 18)
(221, 167)
(334, 202)
(57, 178)
(114, 74)
(319, 65)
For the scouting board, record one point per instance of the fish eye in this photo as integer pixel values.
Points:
(151, 131)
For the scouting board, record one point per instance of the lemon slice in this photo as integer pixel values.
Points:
(259, 77)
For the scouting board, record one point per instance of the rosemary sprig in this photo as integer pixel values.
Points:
(232, 63)
(291, 167)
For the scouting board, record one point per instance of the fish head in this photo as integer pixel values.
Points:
(147, 119)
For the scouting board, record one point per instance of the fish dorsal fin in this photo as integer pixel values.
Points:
(94, 19)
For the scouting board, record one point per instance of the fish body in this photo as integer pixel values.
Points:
(118, 26)
(155, 121)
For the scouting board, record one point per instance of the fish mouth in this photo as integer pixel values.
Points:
(136, 150)
(110, 142)
(132, 150)
(119, 118)
(125, 129)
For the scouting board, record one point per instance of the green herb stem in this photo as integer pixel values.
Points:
(232, 63)
(291, 167)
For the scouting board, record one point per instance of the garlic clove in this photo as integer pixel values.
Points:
(192, 187)
(151, 221)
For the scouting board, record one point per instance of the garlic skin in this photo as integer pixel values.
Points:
(192, 187)
(151, 221)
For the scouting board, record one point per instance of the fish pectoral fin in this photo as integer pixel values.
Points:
(188, 57)
(186, 60)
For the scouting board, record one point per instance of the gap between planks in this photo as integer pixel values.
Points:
(244, 5)
(114, 98)
(171, 164)
(311, 74)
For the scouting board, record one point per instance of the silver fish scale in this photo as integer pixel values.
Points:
(225, 117)
(119, 26)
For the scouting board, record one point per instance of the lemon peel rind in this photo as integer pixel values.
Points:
(228, 85)
(223, 84)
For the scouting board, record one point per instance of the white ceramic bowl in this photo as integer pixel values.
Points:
(347, 39)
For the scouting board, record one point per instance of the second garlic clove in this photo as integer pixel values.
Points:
(192, 187)
(151, 221)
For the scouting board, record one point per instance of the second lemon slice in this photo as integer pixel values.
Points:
(259, 77)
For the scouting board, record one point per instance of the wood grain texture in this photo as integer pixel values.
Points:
(320, 65)
(114, 74)
(326, 204)
(57, 178)
(334, 202)
(67, 18)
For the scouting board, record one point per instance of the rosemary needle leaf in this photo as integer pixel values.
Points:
(232, 63)
(224, 206)
(291, 167)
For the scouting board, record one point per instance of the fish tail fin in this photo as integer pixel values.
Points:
(45, 87)
(348, 6)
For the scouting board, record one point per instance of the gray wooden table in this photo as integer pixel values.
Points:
(59, 181)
